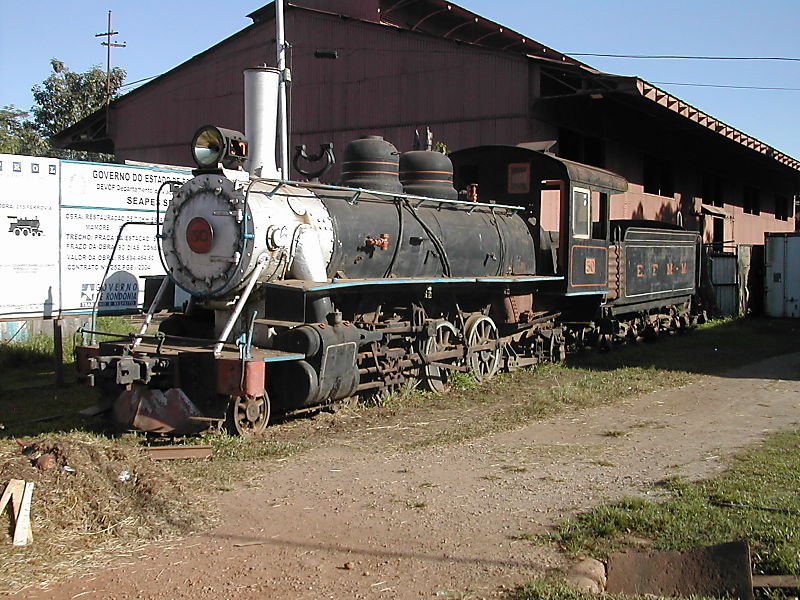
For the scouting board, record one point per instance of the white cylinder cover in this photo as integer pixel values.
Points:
(261, 121)
(212, 237)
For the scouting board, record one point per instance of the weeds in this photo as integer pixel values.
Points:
(614, 433)
(38, 349)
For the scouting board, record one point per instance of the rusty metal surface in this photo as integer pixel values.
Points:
(156, 411)
(231, 382)
(721, 570)
(178, 452)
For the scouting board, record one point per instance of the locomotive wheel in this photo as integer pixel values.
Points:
(481, 330)
(24, 232)
(16, 232)
(247, 415)
(435, 377)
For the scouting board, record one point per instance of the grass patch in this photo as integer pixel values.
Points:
(594, 378)
(766, 476)
(614, 433)
(553, 588)
(38, 349)
(235, 459)
(710, 349)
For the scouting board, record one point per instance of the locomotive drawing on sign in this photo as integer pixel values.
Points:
(24, 227)
(416, 266)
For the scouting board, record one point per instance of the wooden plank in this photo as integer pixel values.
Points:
(776, 581)
(14, 488)
(22, 530)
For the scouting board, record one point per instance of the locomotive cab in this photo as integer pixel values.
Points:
(567, 205)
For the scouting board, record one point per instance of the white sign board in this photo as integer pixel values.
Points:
(29, 232)
(99, 204)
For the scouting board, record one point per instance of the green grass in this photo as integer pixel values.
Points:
(235, 460)
(553, 588)
(766, 476)
(31, 363)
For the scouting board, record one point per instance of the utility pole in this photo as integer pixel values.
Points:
(109, 43)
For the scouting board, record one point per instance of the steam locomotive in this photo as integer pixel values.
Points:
(416, 266)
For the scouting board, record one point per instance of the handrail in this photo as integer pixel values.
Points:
(279, 183)
(108, 268)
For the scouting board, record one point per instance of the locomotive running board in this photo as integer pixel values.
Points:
(336, 284)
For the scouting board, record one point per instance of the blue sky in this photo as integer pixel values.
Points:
(163, 34)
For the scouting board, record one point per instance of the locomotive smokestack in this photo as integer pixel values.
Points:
(261, 121)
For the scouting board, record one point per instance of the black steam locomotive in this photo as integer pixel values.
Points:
(304, 293)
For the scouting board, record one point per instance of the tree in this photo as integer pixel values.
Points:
(63, 99)
(18, 135)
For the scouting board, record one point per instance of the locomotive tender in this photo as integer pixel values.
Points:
(303, 293)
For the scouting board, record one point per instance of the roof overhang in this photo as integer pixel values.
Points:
(658, 96)
(715, 211)
(577, 80)
(90, 134)
(550, 167)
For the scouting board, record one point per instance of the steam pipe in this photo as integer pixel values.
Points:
(151, 311)
(283, 133)
(223, 337)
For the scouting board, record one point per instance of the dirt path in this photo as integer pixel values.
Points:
(343, 522)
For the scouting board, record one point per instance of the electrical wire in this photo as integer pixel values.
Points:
(685, 57)
(138, 81)
(734, 87)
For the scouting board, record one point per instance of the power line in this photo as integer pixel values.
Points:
(735, 87)
(685, 57)
(124, 85)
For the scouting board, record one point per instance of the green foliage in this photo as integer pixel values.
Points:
(767, 476)
(18, 135)
(63, 99)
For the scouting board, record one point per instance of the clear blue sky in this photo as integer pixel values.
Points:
(162, 34)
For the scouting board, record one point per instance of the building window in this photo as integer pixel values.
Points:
(713, 192)
(782, 208)
(752, 202)
(658, 177)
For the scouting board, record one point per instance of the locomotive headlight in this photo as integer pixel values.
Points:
(213, 146)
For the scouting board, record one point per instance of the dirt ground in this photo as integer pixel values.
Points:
(363, 520)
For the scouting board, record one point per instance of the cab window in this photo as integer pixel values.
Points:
(581, 213)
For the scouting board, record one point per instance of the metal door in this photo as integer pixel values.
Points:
(782, 275)
(724, 274)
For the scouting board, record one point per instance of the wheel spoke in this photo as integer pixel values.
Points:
(481, 330)
(435, 377)
(248, 415)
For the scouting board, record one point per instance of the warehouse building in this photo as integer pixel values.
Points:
(390, 67)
